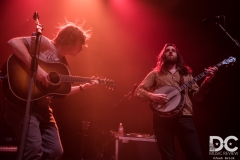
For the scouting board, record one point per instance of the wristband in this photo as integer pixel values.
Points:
(80, 87)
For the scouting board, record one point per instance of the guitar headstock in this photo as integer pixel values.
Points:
(229, 60)
(85, 125)
(110, 84)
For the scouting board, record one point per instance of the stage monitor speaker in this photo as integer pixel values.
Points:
(138, 150)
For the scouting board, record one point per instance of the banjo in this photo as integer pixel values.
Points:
(175, 96)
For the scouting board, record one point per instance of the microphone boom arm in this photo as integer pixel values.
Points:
(224, 30)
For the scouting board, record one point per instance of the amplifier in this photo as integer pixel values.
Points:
(135, 148)
(8, 148)
(138, 150)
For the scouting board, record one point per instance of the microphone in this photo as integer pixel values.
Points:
(131, 94)
(36, 18)
(213, 19)
(35, 15)
(134, 88)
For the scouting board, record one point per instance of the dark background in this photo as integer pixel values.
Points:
(127, 36)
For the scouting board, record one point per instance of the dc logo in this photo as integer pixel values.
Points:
(216, 143)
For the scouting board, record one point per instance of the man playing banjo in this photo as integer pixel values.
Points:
(170, 120)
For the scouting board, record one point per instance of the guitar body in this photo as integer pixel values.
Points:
(174, 105)
(16, 85)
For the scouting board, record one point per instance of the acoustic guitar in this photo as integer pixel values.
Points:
(176, 99)
(17, 79)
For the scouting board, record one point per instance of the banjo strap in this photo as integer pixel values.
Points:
(182, 82)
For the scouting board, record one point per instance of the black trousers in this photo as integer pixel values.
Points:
(183, 128)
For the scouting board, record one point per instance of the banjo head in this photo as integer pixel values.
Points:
(175, 99)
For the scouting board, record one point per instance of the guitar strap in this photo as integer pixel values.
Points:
(182, 82)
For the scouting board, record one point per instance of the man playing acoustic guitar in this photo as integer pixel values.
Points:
(43, 141)
(173, 109)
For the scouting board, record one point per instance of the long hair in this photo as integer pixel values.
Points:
(70, 33)
(161, 65)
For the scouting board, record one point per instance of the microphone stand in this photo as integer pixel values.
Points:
(224, 30)
(128, 95)
(33, 70)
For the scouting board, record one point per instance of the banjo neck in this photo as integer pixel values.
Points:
(197, 78)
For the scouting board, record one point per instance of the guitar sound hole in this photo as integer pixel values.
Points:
(54, 78)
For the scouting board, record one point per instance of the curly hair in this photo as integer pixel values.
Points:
(70, 33)
(161, 65)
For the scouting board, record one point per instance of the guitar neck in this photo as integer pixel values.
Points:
(197, 78)
(72, 79)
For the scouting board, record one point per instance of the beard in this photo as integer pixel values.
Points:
(170, 60)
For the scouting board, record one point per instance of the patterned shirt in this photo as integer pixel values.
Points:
(47, 50)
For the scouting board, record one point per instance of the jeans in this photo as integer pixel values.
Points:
(42, 141)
